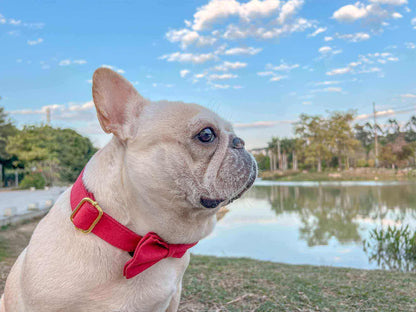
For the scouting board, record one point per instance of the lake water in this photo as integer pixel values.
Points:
(310, 222)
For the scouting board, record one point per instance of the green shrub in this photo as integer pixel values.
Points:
(33, 180)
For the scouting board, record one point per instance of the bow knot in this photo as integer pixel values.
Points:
(150, 250)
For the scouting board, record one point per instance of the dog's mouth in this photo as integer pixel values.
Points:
(249, 183)
(213, 203)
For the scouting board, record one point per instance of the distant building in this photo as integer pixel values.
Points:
(259, 151)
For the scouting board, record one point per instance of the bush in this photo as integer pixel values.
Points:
(33, 180)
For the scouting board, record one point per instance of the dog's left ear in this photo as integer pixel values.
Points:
(117, 102)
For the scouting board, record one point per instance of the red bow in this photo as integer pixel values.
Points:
(88, 217)
(150, 250)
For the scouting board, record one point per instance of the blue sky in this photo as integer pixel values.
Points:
(257, 63)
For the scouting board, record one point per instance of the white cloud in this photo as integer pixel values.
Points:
(216, 10)
(318, 31)
(387, 112)
(390, 2)
(118, 70)
(350, 12)
(35, 42)
(188, 57)
(222, 77)
(275, 71)
(357, 37)
(325, 50)
(333, 89)
(289, 9)
(184, 72)
(219, 86)
(243, 51)
(396, 15)
(262, 32)
(278, 78)
(410, 45)
(408, 96)
(68, 62)
(65, 62)
(339, 71)
(164, 85)
(327, 83)
(365, 64)
(328, 90)
(199, 76)
(187, 37)
(266, 73)
(328, 38)
(328, 51)
(262, 124)
(230, 65)
(282, 67)
(374, 13)
(413, 22)
(70, 111)
(15, 22)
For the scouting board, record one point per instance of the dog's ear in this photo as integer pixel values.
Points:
(117, 102)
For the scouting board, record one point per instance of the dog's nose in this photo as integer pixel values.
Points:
(237, 143)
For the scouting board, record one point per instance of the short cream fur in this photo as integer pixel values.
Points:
(150, 177)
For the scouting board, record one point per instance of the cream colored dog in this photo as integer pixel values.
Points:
(168, 169)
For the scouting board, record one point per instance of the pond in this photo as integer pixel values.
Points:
(330, 224)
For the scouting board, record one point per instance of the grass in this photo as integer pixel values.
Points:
(230, 284)
(221, 284)
(358, 174)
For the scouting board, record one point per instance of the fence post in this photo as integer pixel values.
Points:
(16, 178)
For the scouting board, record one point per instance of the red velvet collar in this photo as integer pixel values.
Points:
(88, 217)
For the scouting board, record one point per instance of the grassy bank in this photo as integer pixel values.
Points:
(359, 174)
(226, 284)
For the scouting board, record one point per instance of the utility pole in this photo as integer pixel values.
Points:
(375, 135)
(48, 116)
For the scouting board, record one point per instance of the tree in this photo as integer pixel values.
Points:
(365, 134)
(7, 129)
(397, 153)
(312, 131)
(60, 154)
(272, 148)
(341, 137)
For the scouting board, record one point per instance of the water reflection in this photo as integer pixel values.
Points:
(393, 248)
(312, 223)
(328, 212)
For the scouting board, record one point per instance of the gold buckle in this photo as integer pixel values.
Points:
(96, 206)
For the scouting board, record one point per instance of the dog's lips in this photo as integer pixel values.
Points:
(210, 203)
(250, 182)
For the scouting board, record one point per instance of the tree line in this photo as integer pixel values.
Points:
(337, 141)
(41, 154)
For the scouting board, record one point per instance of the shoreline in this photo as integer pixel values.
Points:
(351, 175)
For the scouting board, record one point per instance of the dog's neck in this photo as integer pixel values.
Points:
(105, 177)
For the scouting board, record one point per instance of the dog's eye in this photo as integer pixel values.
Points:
(206, 135)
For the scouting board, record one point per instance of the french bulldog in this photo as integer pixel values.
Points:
(168, 169)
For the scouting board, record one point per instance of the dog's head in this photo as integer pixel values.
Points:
(181, 155)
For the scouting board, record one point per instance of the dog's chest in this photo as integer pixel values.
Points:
(151, 290)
